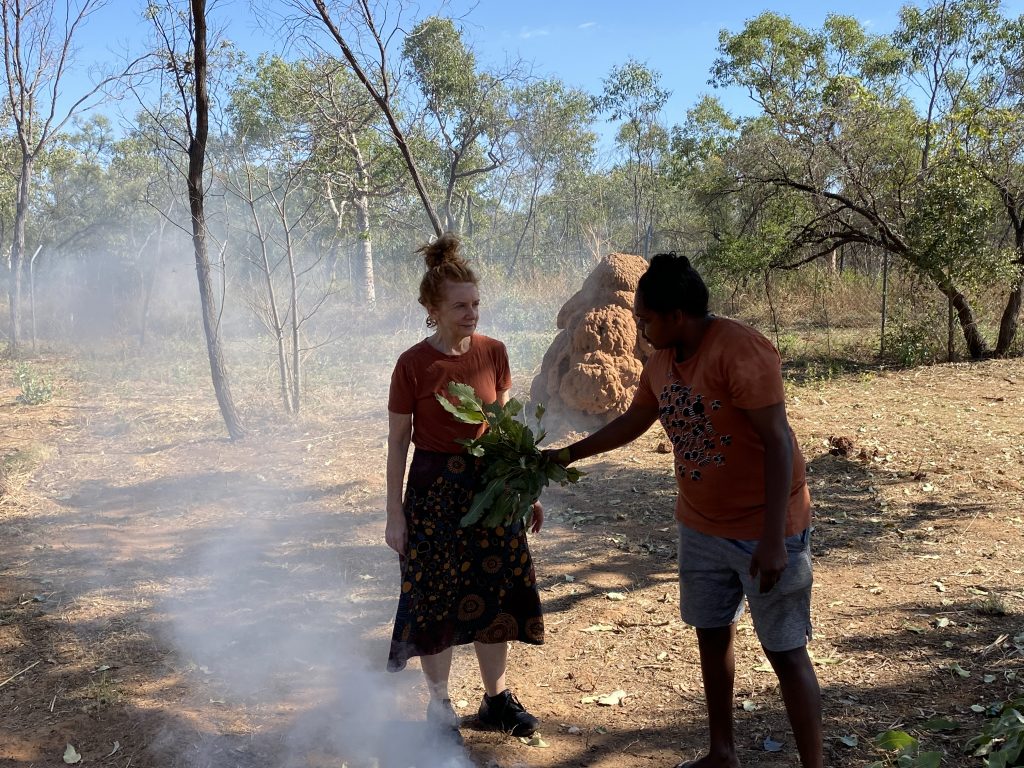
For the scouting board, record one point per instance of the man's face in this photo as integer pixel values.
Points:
(666, 329)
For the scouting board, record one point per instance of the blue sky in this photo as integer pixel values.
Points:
(578, 41)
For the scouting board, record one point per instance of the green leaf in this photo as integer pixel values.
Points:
(928, 760)
(940, 724)
(895, 740)
(481, 502)
(850, 740)
(957, 669)
(466, 395)
(459, 412)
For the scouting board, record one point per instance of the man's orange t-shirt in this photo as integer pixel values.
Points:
(719, 458)
(422, 372)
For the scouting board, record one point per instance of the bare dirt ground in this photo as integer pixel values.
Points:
(168, 598)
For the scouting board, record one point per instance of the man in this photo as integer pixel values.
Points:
(743, 508)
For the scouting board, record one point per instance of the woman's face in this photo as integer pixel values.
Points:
(459, 310)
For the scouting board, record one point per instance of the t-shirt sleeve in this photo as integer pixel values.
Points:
(402, 395)
(754, 372)
(644, 394)
(502, 369)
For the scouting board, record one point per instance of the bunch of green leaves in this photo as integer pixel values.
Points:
(515, 470)
(1001, 741)
(35, 390)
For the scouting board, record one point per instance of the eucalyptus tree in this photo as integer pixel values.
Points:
(554, 138)
(471, 111)
(361, 171)
(968, 61)
(364, 31)
(276, 172)
(839, 131)
(39, 44)
(632, 96)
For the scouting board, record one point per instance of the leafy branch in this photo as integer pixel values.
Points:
(515, 470)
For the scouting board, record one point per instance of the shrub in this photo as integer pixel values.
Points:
(35, 389)
(1001, 741)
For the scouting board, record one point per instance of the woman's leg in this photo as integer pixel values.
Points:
(436, 669)
(493, 659)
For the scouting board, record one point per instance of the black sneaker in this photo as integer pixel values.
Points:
(441, 715)
(504, 712)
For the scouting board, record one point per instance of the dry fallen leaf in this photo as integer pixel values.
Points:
(71, 756)
(534, 741)
(613, 699)
(601, 628)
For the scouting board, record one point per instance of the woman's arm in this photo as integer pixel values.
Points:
(399, 436)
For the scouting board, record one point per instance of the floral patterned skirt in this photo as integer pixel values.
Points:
(459, 585)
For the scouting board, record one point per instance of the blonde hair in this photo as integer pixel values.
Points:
(444, 262)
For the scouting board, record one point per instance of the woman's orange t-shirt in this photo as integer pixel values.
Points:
(422, 372)
(719, 458)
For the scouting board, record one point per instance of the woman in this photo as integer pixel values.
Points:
(458, 585)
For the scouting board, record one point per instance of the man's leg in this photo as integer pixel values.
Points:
(718, 669)
(802, 696)
(493, 659)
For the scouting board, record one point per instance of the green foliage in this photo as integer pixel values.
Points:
(514, 469)
(1001, 741)
(909, 342)
(949, 227)
(444, 68)
(903, 751)
(35, 389)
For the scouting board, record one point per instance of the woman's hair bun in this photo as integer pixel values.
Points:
(443, 250)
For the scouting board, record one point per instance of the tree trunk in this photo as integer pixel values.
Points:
(18, 252)
(361, 203)
(950, 331)
(1011, 313)
(196, 163)
(1010, 319)
(362, 209)
(275, 315)
(885, 303)
(976, 346)
(293, 301)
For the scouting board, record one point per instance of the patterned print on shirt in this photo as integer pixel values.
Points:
(686, 417)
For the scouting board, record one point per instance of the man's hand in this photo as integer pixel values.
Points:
(558, 455)
(769, 560)
(538, 517)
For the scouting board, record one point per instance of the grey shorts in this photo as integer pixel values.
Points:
(714, 576)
